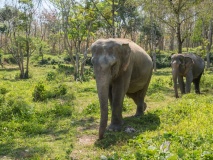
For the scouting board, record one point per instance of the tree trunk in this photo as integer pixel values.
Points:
(179, 40)
(208, 47)
(172, 40)
(85, 57)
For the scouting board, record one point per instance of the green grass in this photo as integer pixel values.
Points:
(65, 126)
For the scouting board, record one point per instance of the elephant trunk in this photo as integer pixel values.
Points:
(103, 91)
(174, 76)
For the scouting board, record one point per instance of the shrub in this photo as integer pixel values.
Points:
(39, 93)
(2, 99)
(59, 90)
(65, 68)
(92, 108)
(62, 110)
(3, 90)
(163, 60)
(51, 76)
(16, 108)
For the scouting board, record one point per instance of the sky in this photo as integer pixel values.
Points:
(45, 4)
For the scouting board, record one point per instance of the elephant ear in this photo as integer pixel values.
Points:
(126, 56)
(188, 63)
(182, 59)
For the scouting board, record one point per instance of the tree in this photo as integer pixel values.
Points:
(176, 14)
(77, 23)
(18, 22)
(207, 28)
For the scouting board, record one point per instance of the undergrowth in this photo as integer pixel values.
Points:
(50, 116)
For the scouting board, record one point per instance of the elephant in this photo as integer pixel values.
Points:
(190, 66)
(121, 67)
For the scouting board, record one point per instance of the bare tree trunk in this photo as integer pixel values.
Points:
(113, 18)
(85, 53)
(208, 47)
(172, 40)
(179, 40)
(153, 42)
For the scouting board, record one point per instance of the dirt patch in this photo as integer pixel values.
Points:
(87, 140)
(81, 150)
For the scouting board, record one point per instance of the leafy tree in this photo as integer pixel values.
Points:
(77, 22)
(207, 28)
(177, 15)
(18, 22)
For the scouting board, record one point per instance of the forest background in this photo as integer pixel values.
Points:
(68, 28)
(49, 107)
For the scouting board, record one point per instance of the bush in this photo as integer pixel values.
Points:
(51, 76)
(39, 93)
(163, 60)
(3, 90)
(62, 110)
(59, 90)
(10, 60)
(16, 108)
(92, 108)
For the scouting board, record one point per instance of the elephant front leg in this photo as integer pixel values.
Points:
(189, 79)
(116, 107)
(181, 84)
(116, 119)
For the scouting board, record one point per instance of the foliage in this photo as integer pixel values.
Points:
(180, 135)
(41, 93)
(170, 128)
(163, 61)
(92, 108)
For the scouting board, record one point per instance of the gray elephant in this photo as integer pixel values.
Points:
(121, 68)
(190, 66)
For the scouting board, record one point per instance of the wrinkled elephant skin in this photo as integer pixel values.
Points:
(121, 68)
(189, 66)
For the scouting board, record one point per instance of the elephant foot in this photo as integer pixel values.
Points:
(115, 127)
(139, 112)
(197, 92)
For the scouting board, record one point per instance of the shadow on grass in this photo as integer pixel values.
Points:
(148, 122)
(9, 69)
(86, 124)
(8, 151)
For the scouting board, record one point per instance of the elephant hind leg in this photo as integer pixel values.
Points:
(196, 82)
(138, 98)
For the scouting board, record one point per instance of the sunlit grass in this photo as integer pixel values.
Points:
(66, 126)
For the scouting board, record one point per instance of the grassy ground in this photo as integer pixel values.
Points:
(65, 126)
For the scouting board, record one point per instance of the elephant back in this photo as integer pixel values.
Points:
(199, 64)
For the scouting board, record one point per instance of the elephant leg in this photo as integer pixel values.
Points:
(196, 82)
(138, 98)
(116, 98)
(110, 96)
(181, 84)
(189, 79)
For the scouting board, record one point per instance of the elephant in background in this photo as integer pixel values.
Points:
(121, 68)
(190, 66)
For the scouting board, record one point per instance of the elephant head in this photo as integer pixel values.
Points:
(109, 59)
(181, 65)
